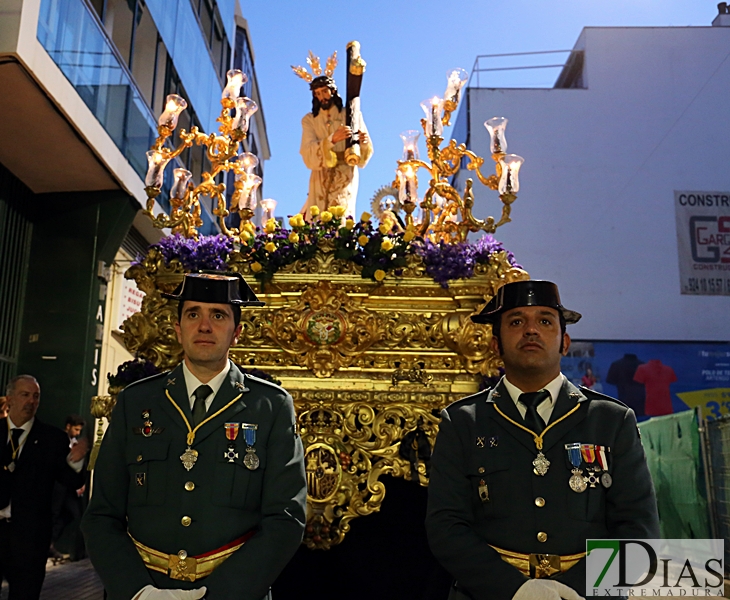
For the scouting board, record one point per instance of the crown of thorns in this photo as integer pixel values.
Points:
(316, 67)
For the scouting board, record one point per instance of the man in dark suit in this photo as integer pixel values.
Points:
(35, 456)
(524, 473)
(199, 486)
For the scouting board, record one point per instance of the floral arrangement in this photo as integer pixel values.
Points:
(379, 250)
(131, 371)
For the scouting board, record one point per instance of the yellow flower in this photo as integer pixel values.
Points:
(386, 245)
(384, 229)
(363, 240)
(338, 211)
(314, 211)
(256, 267)
(365, 216)
(296, 221)
(270, 247)
(408, 235)
(349, 223)
(250, 227)
(379, 275)
(270, 226)
(293, 237)
(325, 216)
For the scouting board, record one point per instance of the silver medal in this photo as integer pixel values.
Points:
(251, 460)
(541, 464)
(606, 479)
(577, 482)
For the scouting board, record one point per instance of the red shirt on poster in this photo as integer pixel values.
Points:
(656, 378)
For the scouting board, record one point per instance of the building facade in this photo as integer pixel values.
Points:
(83, 82)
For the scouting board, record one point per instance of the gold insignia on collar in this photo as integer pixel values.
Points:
(574, 394)
(240, 385)
(480, 441)
(171, 381)
(496, 394)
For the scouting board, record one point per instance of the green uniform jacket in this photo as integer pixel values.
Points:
(141, 487)
(476, 443)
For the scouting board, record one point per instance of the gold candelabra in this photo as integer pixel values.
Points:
(222, 150)
(446, 215)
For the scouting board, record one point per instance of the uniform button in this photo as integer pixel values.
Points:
(187, 520)
(539, 502)
(189, 486)
(481, 470)
(542, 537)
(139, 458)
(182, 555)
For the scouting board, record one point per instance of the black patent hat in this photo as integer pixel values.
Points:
(525, 293)
(215, 288)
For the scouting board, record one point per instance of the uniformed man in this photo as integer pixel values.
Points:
(199, 486)
(524, 473)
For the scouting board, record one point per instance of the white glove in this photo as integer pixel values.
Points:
(545, 589)
(152, 593)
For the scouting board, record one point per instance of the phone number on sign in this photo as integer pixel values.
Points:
(707, 285)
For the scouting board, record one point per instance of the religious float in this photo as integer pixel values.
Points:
(366, 321)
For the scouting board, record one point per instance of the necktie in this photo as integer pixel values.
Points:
(199, 405)
(532, 400)
(12, 446)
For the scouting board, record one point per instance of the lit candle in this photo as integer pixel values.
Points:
(268, 204)
(410, 144)
(433, 107)
(156, 169)
(248, 161)
(174, 105)
(245, 107)
(509, 182)
(455, 80)
(236, 79)
(247, 197)
(496, 127)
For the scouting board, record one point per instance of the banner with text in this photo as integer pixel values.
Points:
(703, 242)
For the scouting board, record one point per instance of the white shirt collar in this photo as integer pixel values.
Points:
(192, 383)
(552, 387)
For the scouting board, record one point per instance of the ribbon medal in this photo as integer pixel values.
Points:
(576, 482)
(251, 461)
(602, 458)
(231, 435)
(589, 456)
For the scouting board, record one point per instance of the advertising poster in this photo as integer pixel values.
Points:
(655, 378)
(703, 242)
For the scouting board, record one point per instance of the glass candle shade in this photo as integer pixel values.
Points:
(407, 186)
(509, 182)
(156, 169)
(434, 109)
(174, 105)
(248, 161)
(245, 107)
(247, 195)
(236, 79)
(455, 80)
(180, 187)
(410, 144)
(496, 126)
(268, 205)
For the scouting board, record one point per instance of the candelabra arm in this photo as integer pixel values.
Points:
(470, 222)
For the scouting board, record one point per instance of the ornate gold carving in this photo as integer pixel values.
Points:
(335, 340)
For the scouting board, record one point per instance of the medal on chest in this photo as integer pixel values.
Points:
(189, 458)
(576, 482)
(250, 460)
(231, 435)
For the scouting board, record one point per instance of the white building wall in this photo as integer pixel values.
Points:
(595, 212)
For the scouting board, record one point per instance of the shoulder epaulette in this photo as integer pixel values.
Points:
(264, 382)
(146, 379)
(599, 396)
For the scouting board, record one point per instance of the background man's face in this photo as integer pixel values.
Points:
(206, 331)
(74, 430)
(531, 338)
(23, 401)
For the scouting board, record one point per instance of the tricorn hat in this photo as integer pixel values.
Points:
(525, 293)
(215, 288)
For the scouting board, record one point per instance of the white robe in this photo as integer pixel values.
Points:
(333, 182)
